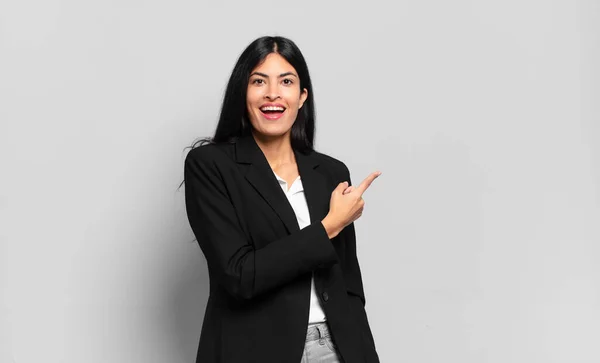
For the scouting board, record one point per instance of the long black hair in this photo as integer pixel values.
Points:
(234, 121)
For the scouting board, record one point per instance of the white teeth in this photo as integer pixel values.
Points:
(271, 108)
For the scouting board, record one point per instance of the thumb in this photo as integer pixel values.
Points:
(341, 187)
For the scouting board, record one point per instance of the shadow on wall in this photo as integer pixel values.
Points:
(189, 296)
(188, 289)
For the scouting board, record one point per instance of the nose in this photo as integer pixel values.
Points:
(272, 91)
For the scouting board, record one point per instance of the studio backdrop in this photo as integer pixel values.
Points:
(479, 243)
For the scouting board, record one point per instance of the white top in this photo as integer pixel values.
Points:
(295, 196)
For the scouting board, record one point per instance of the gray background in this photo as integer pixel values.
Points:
(479, 243)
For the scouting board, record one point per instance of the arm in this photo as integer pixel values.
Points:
(242, 270)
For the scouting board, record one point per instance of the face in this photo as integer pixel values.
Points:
(274, 97)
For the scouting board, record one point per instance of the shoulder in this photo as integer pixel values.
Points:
(209, 154)
(207, 161)
(331, 163)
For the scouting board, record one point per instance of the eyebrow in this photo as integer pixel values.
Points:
(281, 75)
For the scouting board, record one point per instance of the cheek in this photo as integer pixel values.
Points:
(252, 108)
(293, 98)
(253, 95)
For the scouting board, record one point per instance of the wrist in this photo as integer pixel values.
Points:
(331, 227)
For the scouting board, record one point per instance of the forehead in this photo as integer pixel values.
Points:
(275, 64)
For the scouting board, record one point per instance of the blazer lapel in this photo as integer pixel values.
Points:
(315, 186)
(260, 175)
(262, 178)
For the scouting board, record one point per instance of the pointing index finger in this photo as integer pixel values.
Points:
(367, 182)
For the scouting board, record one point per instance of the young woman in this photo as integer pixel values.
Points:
(274, 219)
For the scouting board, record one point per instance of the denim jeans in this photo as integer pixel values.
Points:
(319, 347)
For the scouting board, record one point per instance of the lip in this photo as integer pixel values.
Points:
(272, 105)
(273, 116)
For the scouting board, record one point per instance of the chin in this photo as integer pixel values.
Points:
(271, 131)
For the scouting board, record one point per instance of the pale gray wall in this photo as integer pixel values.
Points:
(479, 243)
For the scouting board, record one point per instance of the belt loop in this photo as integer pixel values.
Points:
(319, 328)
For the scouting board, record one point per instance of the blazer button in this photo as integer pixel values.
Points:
(325, 296)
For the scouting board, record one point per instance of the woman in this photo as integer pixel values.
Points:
(274, 219)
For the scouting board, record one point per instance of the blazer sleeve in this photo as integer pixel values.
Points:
(242, 270)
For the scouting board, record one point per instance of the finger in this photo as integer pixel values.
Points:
(341, 187)
(367, 182)
(349, 189)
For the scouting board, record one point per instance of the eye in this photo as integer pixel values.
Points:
(287, 81)
(258, 81)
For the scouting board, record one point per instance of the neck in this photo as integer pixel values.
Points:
(277, 150)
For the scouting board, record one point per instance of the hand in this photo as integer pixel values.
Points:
(346, 205)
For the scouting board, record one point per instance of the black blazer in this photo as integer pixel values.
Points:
(260, 262)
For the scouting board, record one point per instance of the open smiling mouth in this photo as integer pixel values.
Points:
(272, 112)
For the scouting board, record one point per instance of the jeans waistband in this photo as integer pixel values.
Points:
(317, 331)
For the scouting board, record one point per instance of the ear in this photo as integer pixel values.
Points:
(303, 97)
